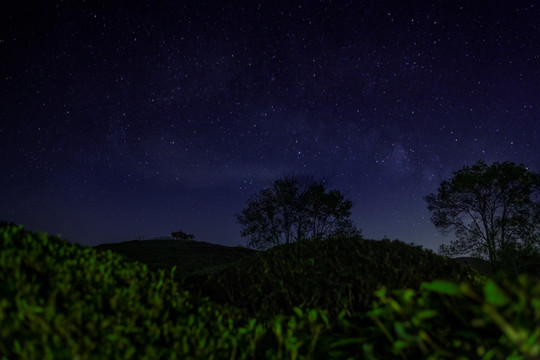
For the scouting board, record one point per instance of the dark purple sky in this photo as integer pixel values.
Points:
(119, 122)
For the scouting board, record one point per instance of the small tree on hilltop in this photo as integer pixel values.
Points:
(180, 235)
(295, 208)
(494, 212)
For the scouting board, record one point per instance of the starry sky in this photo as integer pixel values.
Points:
(126, 120)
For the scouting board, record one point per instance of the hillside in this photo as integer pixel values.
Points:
(66, 301)
(335, 274)
(187, 256)
(60, 300)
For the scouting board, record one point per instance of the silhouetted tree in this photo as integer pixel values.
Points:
(493, 210)
(295, 208)
(180, 235)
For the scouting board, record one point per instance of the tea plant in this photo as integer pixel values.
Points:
(64, 301)
(446, 320)
(335, 274)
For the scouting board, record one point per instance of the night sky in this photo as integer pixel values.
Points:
(131, 121)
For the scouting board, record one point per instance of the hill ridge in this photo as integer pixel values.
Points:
(187, 256)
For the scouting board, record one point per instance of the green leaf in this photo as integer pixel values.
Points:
(422, 315)
(298, 311)
(312, 316)
(494, 294)
(401, 330)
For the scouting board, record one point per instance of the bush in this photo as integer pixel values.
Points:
(338, 274)
(445, 320)
(64, 301)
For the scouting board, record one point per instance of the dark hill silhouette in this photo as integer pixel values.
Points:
(188, 256)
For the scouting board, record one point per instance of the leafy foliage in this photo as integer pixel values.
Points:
(447, 320)
(64, 301)
(336, 274)
(295, 208)
(493, 210)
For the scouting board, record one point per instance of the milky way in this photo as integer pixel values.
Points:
(131, 122)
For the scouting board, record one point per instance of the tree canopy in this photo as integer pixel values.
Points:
(295, 208)
(493, 210)
(180, 235)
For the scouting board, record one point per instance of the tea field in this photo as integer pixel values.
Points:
(342, 298)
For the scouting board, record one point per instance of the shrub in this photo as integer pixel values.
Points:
(335, 274)
(446, 320)
(64, 301)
